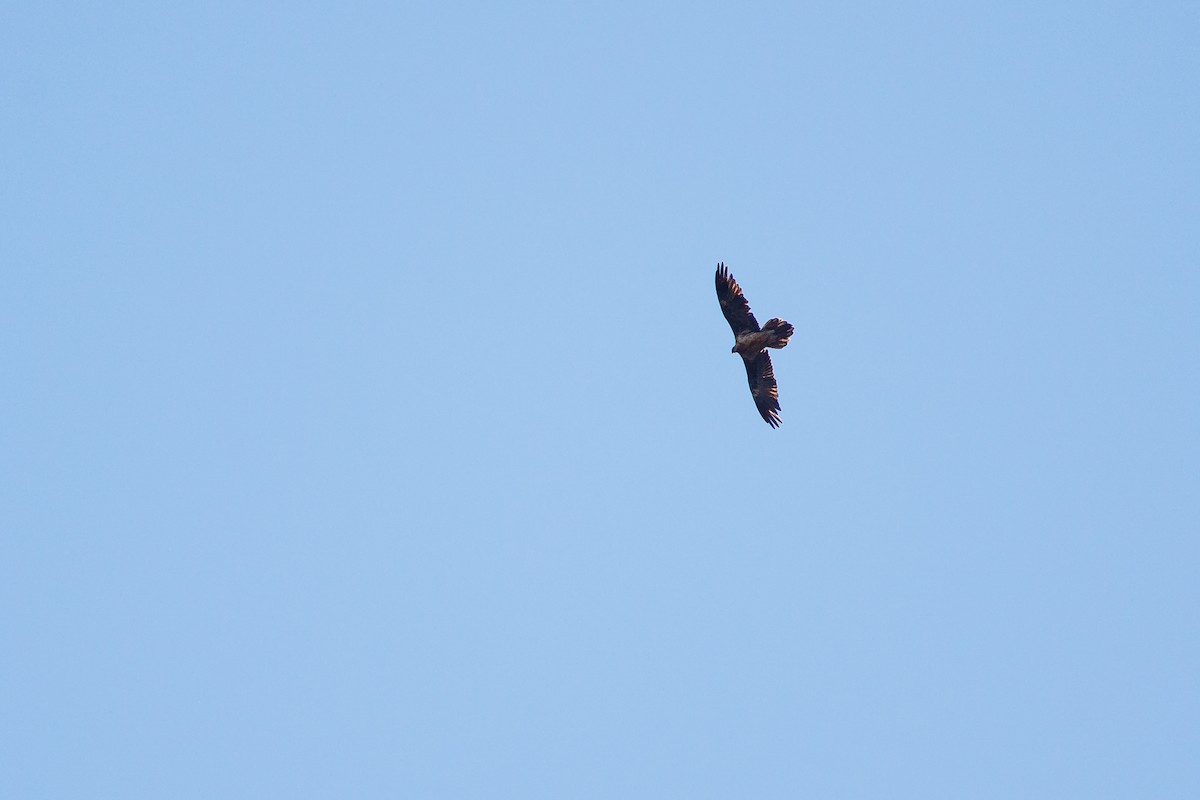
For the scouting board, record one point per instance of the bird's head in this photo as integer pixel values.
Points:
(734, 349)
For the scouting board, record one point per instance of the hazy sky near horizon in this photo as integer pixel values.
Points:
(370, 427)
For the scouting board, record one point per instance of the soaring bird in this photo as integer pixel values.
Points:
(751, 341)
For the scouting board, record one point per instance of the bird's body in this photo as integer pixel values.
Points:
(751, 343)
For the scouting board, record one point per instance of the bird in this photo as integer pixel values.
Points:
(751, 342)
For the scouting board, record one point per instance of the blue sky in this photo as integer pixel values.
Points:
(371, 428)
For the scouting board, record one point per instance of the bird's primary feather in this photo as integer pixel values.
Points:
(734, 305)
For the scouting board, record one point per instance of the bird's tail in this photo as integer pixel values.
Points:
(780, 332)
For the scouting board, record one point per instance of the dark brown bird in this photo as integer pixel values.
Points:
(751, 341)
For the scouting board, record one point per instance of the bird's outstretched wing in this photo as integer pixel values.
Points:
(761, 375)
(733, 303)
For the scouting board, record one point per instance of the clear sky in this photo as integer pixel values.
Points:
(370, 427)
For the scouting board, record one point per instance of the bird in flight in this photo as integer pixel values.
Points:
(751, 341)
